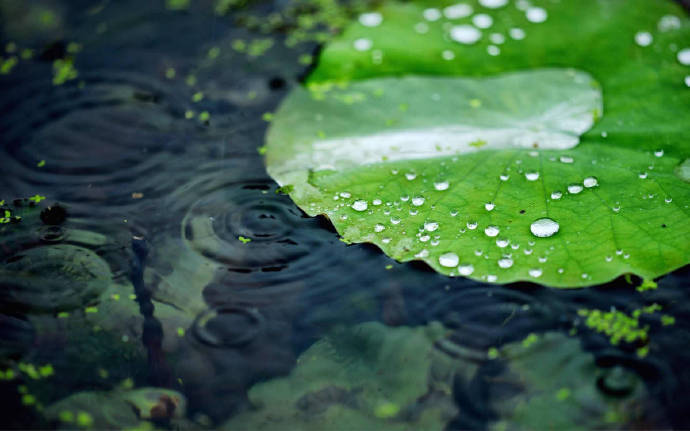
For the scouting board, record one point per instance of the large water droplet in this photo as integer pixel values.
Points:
(532, 176)
(482, 20)
(443, 185)
(360, 205)
(489, 206)
(471, 225)
(431, 14)
(456, 11)
(643, 38)
(502, 243)
(417, 201)
(544, 227)
(668, 22)
(430, 226)
(379, 228)
(491, 231)
(556, 195)
(465, 34)
(590, 182)
(448, 260)
(536, 14)
(535, 272)
(362, 44)
(574, 189)
(505, 262)
(684, 56)
(410, 176)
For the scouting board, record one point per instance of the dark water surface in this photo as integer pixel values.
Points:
(145, 283)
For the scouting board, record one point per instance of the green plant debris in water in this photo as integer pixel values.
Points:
(63, 71)
(520, 175)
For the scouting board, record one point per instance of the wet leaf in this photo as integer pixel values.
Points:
(484, 177)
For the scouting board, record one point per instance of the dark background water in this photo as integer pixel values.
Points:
(160, 200)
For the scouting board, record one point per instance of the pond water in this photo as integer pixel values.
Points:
(165, 282)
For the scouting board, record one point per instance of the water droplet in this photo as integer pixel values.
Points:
(482, 20)
(465, 34)
(371, 19)
(609, 258)
(491, 278)
(616, 209)
(505, 262)
(659, 153)
(502, 243)
(456, 11)
(435, 242)
(395, 220)
(536, 14)
(430, 226)
(443, 185)
(414, 212)
(422, 254)
(410, 176)
(493, 4)
(417, 201)
(453, 213)
(643, 175)
(684, 56)
(590, 182)
(687, 80)
(447, 55)
(619, 252)
(668, 200)
(643, 38)
(466, 269)
(556, 195)
(489, 206)
(497, 38)
(362, 44)
(542, 259)
(517, 33)
(532, 176)
(584, 275)
(359, 205)
(574, 189)
(471, 225)
(478, 253)
(491, 231)
(668, 22)
(566, 159)
(386, 240)
(379, 227)
(431, 14)
(404, 198)
(504, 177)
(343, 217)
(493, 50)
(345, 195)
(448, 260)
(527, 251)
(424, 238)
(626, 256)
(514, 246)
(535, 272)
(544, 227)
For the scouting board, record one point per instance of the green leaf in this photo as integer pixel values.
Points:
(506, 145)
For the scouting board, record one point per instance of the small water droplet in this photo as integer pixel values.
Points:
(448, 260)
(544, 227)
(362, 44)
(535, 272)
(497, 38)
(386, 240)
(424, 238)
(395, 220)
(417, 201)
(527, 251)
(453, 213)
(643, 38)
(517, 33)
(466, 269)
(542, 259)
(626, 256)
(566, 159)
(659, 153)
(456, 11)
(574, 189)
(643, 175)
(478, 252)
(430, 226)
(556, 195)
(489, 206)
(609, 258)
(379, 227)
(604, 134)
(404, 198)
(514, 246)
(410, 176)
(616, 209)
(422, 254)
(502, 243)
(359, 205)
(619, 252)
(669, 22)
(532, 176)
(431, 14)
(491, 231)
(505, 262)
(491, 278)
(414, 212)
(504, 177)
(345, 195)
(471, 225)
(590, 182)
(584, 275)
(493, 4)
(668, 200)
